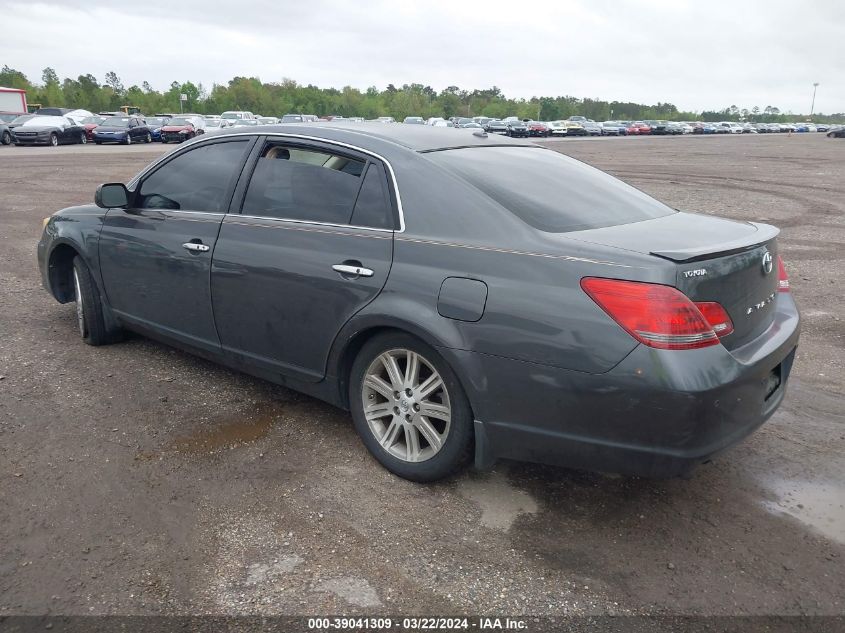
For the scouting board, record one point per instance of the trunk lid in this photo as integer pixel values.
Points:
(732, 263)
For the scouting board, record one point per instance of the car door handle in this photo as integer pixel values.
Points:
(349, 270)
(197, 247)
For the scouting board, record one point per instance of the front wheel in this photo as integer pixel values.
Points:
(7, 138)
(149, 138)
(83, 139)
(410, 409)
(128, 139)
(90, 319)
(54, 139)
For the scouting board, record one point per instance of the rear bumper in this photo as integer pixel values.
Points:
(657, 413)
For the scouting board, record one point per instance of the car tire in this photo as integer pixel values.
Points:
(90, 318)
(83, 139)
(396, 436)
(7, 138)
(54, 139)
(149, 138)
(164, 140)
(128, 140)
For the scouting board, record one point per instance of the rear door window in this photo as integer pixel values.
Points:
(549, 191)
(317, 185)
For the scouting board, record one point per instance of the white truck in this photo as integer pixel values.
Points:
(12, 100)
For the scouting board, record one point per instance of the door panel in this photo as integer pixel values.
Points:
(278, 301)
(149, 276)
(155, 257)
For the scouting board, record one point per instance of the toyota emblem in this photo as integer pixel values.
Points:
(767, 262)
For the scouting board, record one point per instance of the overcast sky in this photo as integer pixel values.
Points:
(696, 55)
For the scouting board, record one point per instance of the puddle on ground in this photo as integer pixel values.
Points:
(501, 503)
(228, 432)
(819, 504)
(222, 432)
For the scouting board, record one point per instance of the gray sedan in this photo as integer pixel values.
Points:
(465, 296)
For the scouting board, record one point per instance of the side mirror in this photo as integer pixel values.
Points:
(112, 195)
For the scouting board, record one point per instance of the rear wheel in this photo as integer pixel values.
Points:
(7, 138)
(128, 139)
(90, 320)
(409, 408)
(54, 139)
(149, 138)
(83, 139)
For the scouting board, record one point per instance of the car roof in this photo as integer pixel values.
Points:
(419, 138)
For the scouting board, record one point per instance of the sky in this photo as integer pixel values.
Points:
(696, 55)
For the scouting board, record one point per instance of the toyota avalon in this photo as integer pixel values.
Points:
(464, 295)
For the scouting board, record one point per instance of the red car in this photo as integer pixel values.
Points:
(89, 123)
(180, 129)
(536, 128)
(632, 128)
(642, 128)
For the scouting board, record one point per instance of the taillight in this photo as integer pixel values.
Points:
(716, 316)
(657, 316)
(783, 279)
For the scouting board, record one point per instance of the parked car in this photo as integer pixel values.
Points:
(155, 123)
(268, 120)
(658, 127)
(48, 130)
(642, 127)
(52, 111)
(674, 128)
(538, 128)
(575, 128)
(613, 128)
(593, 128)
(89, 123)
(631, 128)
(216, 124)
(496, 127)
(836, 132)
(234, 115)
(822, 127)
(557, 128)
(245, 123)
(607, 333)
(5, 133)
(122, 129)
(414, 120)
(180, 129)
(471, 124)
(386, 119)
(517, 129)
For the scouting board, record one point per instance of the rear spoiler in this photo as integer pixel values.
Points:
(764, 233)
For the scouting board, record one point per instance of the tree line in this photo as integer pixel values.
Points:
(288, 96)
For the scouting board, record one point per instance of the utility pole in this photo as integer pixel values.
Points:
(813, 104)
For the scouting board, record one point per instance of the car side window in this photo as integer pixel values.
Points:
(314, 185)
(372, 209)
(197, 180)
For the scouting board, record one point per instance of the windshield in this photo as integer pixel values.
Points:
(155, 121)
(292, 118)
(177, 121)
(116, 121)
(46, 120)
(23, 118)
(232, 115)
(213, 123)
(246, 122)
(96, 120)
(565, 194)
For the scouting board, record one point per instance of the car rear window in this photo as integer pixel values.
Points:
(549, 191)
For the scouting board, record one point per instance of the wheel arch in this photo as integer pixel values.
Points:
(60, 269)
(359, 331)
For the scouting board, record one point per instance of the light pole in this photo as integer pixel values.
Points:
(813, 104)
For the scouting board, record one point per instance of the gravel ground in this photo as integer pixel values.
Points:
(136, 479)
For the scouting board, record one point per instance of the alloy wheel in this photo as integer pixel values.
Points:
(406, 405)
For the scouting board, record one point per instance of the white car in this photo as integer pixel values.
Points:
(233, 115)
(557, 128)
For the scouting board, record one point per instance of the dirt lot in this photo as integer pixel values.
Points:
(138, 479)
